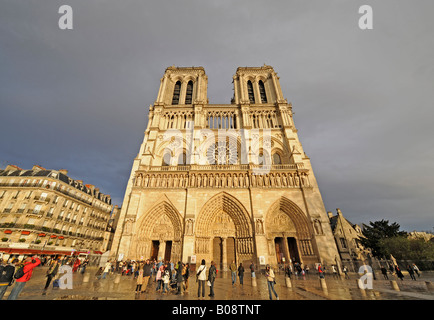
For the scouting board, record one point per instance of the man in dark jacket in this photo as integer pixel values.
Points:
(29, 264)
(212, 274)
(51, 273)
(147, 268)
(179, 277)
(7, 276)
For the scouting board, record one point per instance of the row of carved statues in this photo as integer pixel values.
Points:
(221, 180)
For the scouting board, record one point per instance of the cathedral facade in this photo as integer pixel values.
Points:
(223, 182)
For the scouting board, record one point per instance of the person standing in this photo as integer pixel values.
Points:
(201, 278)
(416, 269)
(159, 277)
(76, 265)
(320, 271)
(252, 270)
(345, 270)
(146, 274)
(241, 273)
(29, 264)
(179, 277)
(306, 270)
(335, 272)
(212, 275)
(7, 276)
(288, 270)
(233, 268)
(139, 281)
(84, 265)
(186, 274)
(51, 273)
(271, 281)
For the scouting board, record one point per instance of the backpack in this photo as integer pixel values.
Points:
(20, 272)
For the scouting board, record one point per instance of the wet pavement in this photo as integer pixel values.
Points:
(308, 288)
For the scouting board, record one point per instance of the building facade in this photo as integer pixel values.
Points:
(46, 212)
(348, 242)
(223, 182)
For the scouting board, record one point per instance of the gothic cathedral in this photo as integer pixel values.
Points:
(223, 182)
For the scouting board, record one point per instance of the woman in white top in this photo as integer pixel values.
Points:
(201, 278)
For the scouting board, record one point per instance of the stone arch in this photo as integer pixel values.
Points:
(224, 208)
(162, 222)
(287, 222)
(223, 202)
(297, 219)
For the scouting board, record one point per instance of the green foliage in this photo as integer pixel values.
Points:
(377, 231)
(407, 249)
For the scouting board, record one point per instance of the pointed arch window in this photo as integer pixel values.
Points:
(189, 93)
(250, 91)
(176, 93)
(262, 92)
(166, 159)
(277, 159)
(182, 159)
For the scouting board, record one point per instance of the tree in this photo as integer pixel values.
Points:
(378, 230)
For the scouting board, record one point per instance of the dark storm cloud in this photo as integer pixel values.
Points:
(363, 100)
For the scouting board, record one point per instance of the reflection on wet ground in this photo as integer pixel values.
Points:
(308, 288)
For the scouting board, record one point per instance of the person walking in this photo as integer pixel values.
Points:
(416, 269)
(411, 272)
(345, 270)
(107, 269)
(271, 281)
(335, 272)
(233, 268)
(7, 276)
(201, 278)
(241, 273)
(27, 270)
(212, 275)
(306, 270)
(51, 273)
(288, 270)
(252, 270)
(384, 272)
(399, 273)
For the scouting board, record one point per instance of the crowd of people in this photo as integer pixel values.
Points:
(169, 277)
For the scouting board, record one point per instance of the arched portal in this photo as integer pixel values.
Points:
(158, 234)
(288, 233)
(223, 231)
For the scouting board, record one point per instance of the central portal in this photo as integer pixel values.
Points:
(223, 252)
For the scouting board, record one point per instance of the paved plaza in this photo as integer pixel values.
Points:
(302, 289)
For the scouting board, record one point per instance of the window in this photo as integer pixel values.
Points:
(343, 243)
(182, 159)
(276, 159)
(262, 92)
(189, 92)
(166, 159)
(176, 93)
(250, 92)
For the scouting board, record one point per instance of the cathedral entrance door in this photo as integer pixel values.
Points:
(280, 252)
(168, 251)
(217, 249)
(230, 250)
(293, 250)
(154, 250)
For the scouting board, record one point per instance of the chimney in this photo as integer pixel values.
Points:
(339, 212)
(330, 214)
(64, 171)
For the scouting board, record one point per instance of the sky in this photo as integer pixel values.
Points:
(362, 99)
